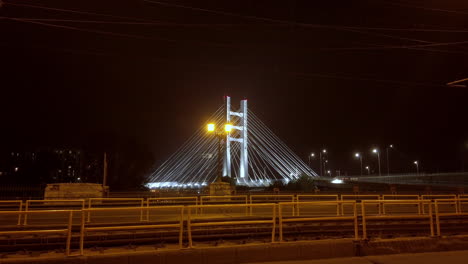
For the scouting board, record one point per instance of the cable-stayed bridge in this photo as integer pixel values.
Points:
(252, 154)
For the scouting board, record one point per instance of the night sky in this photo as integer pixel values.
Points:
(139, 78)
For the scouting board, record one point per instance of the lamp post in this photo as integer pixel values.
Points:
(312, 155)
(220, 134)
(368, 170)
(324, 151)
(376, 151)
(417, 166)
(358, 155)
(388, 159)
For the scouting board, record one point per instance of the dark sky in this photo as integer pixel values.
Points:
(131, 74)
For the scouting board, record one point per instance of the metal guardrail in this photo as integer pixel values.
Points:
(84, 229)
(436, 209)
(366, 218)
(223, 198)
(266, 198)
(50, 203)
(66, 231)
(163, 201)
(170, 201)
(20, 207)
(458, 210)
(399, 197)
(141, 202)
(317, 197)
(358, 198)
(196, 208)
(282, 220)
(436, 196)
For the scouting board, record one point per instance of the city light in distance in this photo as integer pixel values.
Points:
(375, 150)
(337, 181)
(357, 155)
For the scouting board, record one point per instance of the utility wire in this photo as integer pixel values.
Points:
(427, 8)
(132, 36)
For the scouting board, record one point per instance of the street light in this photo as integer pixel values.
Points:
(220, 134)
(417, 166)
(376, 151)
(358, 155)
(388, 159)
(324, 151)
(368, 170)
(312, 155)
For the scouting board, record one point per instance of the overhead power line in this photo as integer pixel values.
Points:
(115, 34)
(75, 11)
(301, 24)
(437, 44)
(427, 8)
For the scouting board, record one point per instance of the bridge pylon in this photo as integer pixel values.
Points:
(240, 124)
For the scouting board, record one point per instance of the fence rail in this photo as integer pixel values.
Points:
(366, 217)
(248, 212)
(197, 208)
(65, 231)
(283, 220)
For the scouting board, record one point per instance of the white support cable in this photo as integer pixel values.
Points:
(273, 153)
(295, 158)
(183, 154)
(265, 165)
(269, 157)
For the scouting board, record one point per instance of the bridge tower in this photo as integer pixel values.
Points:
(241, 125)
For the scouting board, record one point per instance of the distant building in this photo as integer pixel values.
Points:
(58, 165)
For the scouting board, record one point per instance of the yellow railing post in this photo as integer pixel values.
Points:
(89, 211)
(82, 231)
(342, 206)
(356, 226)
(26, 209)
(380, 205)
(19, 214)
(431, 223)
(142, 204)
(419, 206)
(250, 207)
(181, 228)
(147, 209)
(437, 217)
(337, 207)
(363, 215)
(247, 207)
(200, 209)
(457, 205)
(280, 216)
(274, 223)
(69, 233)
(189, 227)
